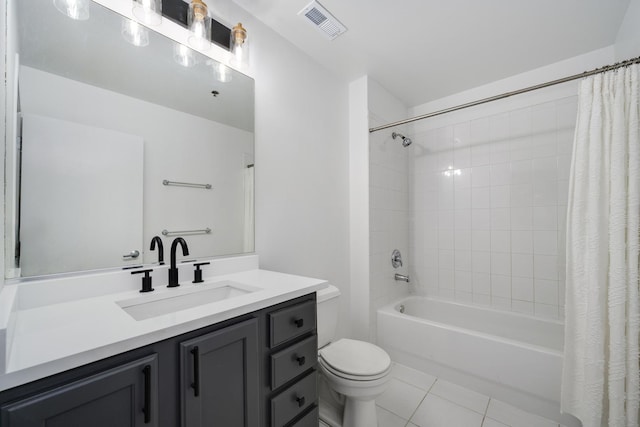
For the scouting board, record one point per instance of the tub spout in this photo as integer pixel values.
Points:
(401, 277)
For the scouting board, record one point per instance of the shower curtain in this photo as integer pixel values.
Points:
(600, 381)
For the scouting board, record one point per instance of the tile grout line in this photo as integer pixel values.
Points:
(422, 400)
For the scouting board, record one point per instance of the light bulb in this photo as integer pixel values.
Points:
(74, 9)
(199, 24)
(239, 46)
(148, 11)
(134, 33)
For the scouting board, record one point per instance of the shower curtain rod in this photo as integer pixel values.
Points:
(508, 94)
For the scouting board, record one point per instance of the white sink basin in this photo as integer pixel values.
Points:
(170, 301)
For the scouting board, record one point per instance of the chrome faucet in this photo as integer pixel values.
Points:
(173, 270)
(157, 240)
(401, 277)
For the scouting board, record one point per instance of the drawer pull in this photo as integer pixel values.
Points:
(196, 371)
(301, 360)
(147, 394)
(299, 322)
(300, 401)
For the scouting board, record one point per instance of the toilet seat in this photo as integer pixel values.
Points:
(355, 360)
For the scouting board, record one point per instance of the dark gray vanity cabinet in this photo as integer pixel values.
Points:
(125, 396)
(255, 370)
(219, 377)
(290, 349)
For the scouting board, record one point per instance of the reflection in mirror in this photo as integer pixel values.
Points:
(101, 114)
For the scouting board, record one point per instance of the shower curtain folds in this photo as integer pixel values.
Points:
(601, 379)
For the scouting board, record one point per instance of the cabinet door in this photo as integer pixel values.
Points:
(123, 396)
(219, 381)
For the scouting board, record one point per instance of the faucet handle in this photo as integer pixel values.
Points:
(146, 280)
(197, 273)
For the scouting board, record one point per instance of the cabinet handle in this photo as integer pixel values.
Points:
(147, 394)
(298, 322)
(301, 360)
(300, 401)
(196, 371)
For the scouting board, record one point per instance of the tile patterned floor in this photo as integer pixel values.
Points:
(416, 399)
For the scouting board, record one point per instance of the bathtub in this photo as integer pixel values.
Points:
(511, 357)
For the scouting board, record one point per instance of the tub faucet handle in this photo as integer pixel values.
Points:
(396, 258)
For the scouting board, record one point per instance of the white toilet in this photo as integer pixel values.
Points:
(357, 370)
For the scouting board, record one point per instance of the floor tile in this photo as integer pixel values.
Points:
(464, 397)
(388, 419)
(435, 411)
(515, 417)
(401, 398)
(413, 376)
(488, 422)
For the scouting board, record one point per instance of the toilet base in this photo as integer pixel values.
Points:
(359, 413)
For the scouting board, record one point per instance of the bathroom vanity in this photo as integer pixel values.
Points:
(246, 360)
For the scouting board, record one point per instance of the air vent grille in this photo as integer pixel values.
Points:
(322, 20)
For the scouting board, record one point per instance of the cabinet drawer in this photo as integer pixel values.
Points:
(293, 361)
(291, 322)
(294, 400)
(309, 420)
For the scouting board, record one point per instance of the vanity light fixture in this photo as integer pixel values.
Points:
(184, 55)
(199, 24)
(74, 9)
(148, 12)
(239, 45)
(134, 33)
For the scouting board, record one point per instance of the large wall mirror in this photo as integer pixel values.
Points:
(109, 144)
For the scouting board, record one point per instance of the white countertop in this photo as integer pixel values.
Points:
(47, 339)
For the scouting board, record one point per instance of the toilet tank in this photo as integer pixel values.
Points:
(328, 306)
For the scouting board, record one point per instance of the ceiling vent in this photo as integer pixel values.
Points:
(321, 19)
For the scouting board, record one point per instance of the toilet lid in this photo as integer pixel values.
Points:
(356, 358)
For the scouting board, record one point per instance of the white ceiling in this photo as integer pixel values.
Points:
(421, 50)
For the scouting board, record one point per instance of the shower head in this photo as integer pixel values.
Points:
(405, 141)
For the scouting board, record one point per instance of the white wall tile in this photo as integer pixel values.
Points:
(522, 288)
(463, 260)
(502, 216)
(481, 240)
(522, 265)
(545, 267)
(521, 172)
(462, 240)
(446, 259)
(500, 174)
(522, 195)
(522, 218)
(501, 219)
(500, 241)
(481, 176)
(481, 262)
(481, 219)
(482, 283)
(546, 291)
(501, 263)
(522, 241)
(462, 219)
(501, 196)
(545, 242)
(481, 198)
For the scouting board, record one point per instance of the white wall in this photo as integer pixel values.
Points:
(388, 201)
(177, 147)
(359, 207)
(302, 191)
(489, 190)
(627, 44)
(3, 100)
